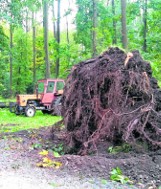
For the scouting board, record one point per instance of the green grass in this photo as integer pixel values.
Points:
(9, 122)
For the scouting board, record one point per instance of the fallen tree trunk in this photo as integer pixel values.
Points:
(112, 97)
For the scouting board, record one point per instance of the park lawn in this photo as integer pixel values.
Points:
(9, 122)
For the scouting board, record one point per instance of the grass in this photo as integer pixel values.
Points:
(9, 122)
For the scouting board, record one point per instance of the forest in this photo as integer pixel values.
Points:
(45, 38)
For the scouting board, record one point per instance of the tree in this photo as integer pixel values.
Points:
(58, 40)
(11, 57)
(94, 48)
(45, 25)
(53, 13)
(123, 22)
(145, 26)
(34, 46)
(4, 77)
(114, 39)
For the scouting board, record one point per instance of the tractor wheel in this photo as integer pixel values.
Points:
(17, 110)
(30, 111)
(56, 105)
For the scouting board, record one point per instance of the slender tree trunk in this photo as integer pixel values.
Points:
(53, 12)
(67, 34)
(67, 27)
(123, 22)
(11, 58)
(114, 40)
(27, 27)
(94, 48)
(145, 26)
(34, 46)
(58, 40)
(45, 25)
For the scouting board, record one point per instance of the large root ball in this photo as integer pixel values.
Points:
(112, 97)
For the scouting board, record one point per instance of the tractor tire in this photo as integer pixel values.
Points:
(17, 112)
(56, 106)
(30, 111)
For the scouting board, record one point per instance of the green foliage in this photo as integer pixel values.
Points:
(4, 77)
(22, 61)
(116, 149)
(117, 175)
(58, 150)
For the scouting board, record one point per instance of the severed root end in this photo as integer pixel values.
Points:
(129, 55)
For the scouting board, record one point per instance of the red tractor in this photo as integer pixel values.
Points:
(47, 98)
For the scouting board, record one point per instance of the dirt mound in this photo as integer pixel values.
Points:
(112, 97)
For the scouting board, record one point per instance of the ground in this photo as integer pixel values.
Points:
(19, 155)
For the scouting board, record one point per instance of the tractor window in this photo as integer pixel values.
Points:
(40, 87)
(60, 85)
(50, 87)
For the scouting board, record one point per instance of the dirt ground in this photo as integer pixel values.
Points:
(19, 154)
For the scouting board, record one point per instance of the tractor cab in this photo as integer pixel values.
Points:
(46, 98)
(50, 89)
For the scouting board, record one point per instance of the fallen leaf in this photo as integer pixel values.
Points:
(44, 153)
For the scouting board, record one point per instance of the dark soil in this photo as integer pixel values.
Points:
(143, 168)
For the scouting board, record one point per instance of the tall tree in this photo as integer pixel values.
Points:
(145, 26)
(94, 48)
(123, 23)
(45, 25)
(84, 25)
(11, 58)
(34, 46)
(53, 14)
(58, 40)
(114, 38)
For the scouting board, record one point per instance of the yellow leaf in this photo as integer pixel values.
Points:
(47, 160)
(41, 164)
(57, 164)
(44, 152)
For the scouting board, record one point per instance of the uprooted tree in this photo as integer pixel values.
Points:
(112, 97)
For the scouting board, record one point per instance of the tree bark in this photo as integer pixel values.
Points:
(114, 40)
(145, 26)
(58, 40)
(11, 59)
(34, 46)
(123, 22)
(27, 27)
(53, 12)
(45, 25)
(67, 27)
(94, 48)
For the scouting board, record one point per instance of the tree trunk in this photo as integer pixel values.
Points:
(34, 46)
(67, 27)
(53, 12)
(145, 26)
(114, 40)
(11, 58)
(94, 48)
(58, 40)
(27, 27)
(45, 25)
(123, 22)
